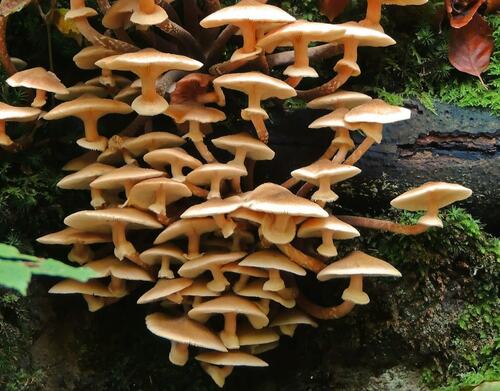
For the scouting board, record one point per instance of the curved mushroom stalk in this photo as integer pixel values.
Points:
(279, 228)
(219, 282)
(97, 200)
(227, 225)
(117, 286)
(325, 313)
(123, 248)
(260, 127)
(301, 259)
(373, 15)
(360, 151)
(93, 140)
(40, 98)
(255, 113)
(354, 292)
(327, 248)
(264, 304)
(193, 245)
(300, 68)
(249, 33)
(240, 284)
(217, 374)
(196, 136)
(94, 303)
(179, 353)
(228, 335)
(165, 271)
(275, 283)
(324, 193)
(431, 218)
(81, 254)
(159, 206)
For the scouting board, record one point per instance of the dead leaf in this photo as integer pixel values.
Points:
(8, 7)
(460, 12)
(332, 8)
(470, 47)
(493, 6)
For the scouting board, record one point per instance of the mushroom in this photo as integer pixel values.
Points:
(117, 81)
(228, 361)
(289, 319)
(115, 153)
(243, 146)
(324, 174)
(211, 262)
(10, 113)
(163, 254)
(149, 64)
(40, 79)
(151, 141)
(217, 208)
(176, 158)
(430, 197)
(258, 87)
(78, 15)
(328, 228)
(148, 13)
(256, 289)
(120, 272)
(81, 180)
(118, 15)
(193, 88)
(280, 207)
(87, 57)
(82, 89)
(213, 174)
(250, 337)
(127, 94)
(198, 290)
(124, 178)
(274, 262)
(166, 290)
(230, 306)
(245, 273)
(374, 11)
(247, 15)
(357, 265)
(299, 34)
(156, 194)
(89, 109)
(116, 221)
(81, 161)
(182, 332)
(192, 229)
(80, 253)
(339, 99)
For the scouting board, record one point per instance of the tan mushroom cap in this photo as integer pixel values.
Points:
(91, 287)
(87, 57)
(182, 112)
(118, 14)
(213, 174)
(231, 359)
(377, 111)
(164, 254)
(165, 289)
(328, 229)
(147, 13)
(199, 289)
(74, 236)
(18, 114)
(335, 119)
(96, 107)
(340, 98)
(275, 262)
(127, 94)
(256, 289)
(125, 177)
(107, 78)
(289, 319)
(80, 12)
(215, 206)
(243, 146)
(182, 332)
(81, 89)
(81, 179)
(365, 36)
(177, 158)
(111, 266)
(82, 161)
(324, 173)
(431, 197)
(151, 141)
(247, 335)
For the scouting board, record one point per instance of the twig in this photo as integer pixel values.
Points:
(171, 12)
(7, 65)
(167, 80)
(300, 258)
(218, 46)
(324, 313)
(328, 88)
(359, 151)
(137, 124)
(183, 36)
(384, 225)
(103, 5)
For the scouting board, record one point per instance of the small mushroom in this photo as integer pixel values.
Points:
(182, 332)
(328, 229)
(10, 113)
(356, 266)
(274, 262)
(141, 145)
(41, 80)
(81, 89)
(87, 57)
(250, 337)
(289, 319)
(245, 272)
(78, 15)
(164, 255)
(176, 158)
(198, 290)
(256, 289)
(339, 99)
(213, 174)
(166, 290)
(430, 197)
(115, 153)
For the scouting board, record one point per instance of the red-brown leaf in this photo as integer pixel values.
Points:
(332, 8)
(470, 47)
(461, 12)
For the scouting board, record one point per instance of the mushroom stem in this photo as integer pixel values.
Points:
(94, 303)
(327, 248)
(239, 158)
(214, 187)
(147, 6)
(90, 127)
(159, 206)
(176, 170)
(240, 284)
(249, 34)
(301, 58)
(260, 128)
(193, 245)
(374, 11)
(293, 81)
(123, 248)
(196, 136)
(165, 271)
(324, 193)
(179, 353)
(263, 304)
(281, 222)
(80, 253)
(340, 155)
(354, 292)
(204, 152)
(175, 298)
(431, 217)
(217, 374)
(300, 258)
(288, 329)
(117, 286)
(236, 185)
(40, 98)
(219, 282)
(325, 313)
(196, 190)
(84, 28)
(5, 59)
(227, 225)
(97, 200)
(275, 283)
(228, 335)
(4, 138)
(359, 151)
(384, 225)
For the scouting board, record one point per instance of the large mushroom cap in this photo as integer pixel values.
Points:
(182, 112)
(111, 266)
(313, 227)
(144, 194)
(335, 119)
(247, 335)
(92, 288)
(80, 90)
(152, 141)
(18, 114)
(164, 288)
(74, 236)
(365, 36)
(87, 57)
(215, 206)
(153, 255)
(340, 98)
(193, 268)
(203, 174)
(186, 226)
(115, 179)
(377, 111)
(255, 289)
(37, 78)
(325, 168)
(254, 149)
(268, 259)
(292, 316)
(87, 105)
(231, 359)
(172, 156)
(81, 180)
(81, 161)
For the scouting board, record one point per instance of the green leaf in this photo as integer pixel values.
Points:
(15, 275)
(8, 7)
(7, 251)
(52, 267)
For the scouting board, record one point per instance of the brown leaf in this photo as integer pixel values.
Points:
(493, 6)
(470, 47)
(460, 12)
(8, 7)
(332, 8)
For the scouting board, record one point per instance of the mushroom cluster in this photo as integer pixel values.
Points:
(216, 259)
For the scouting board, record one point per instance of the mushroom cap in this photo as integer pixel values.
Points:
(91, 287)
(404, 2)
(268, 259)
(312, 31)
(185, 226)
(247, 335)
(86, 105)
(255, 149)
(38, 78)
(183, 330)
(182, 112)
(81, 161)
(81, 89)
(18, 114)
(127, 94)
(148, 59)
(80, 180)
(203, 175)
(244, 270)
(152, 141)
(265, 86)
(377, 111)
(193, 268)
(358, 263)
(80, 12)
(440, 194)
(199, 288)
(118, 14)
(164, 288)
(275, 199)
(335, 119)
(313, 227)
(214, 206)
(232, 359)
(365, 36)
(247, 11)
(144, 193)
(256, 289)
(115, 179)
(74, 236)
(102, 219)
(86, 58)
(339, 98)
(111, 266)
(154, 255)
(291, 317)
(326, 168)
(119, 81)
(161, 157)
(231, 304)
